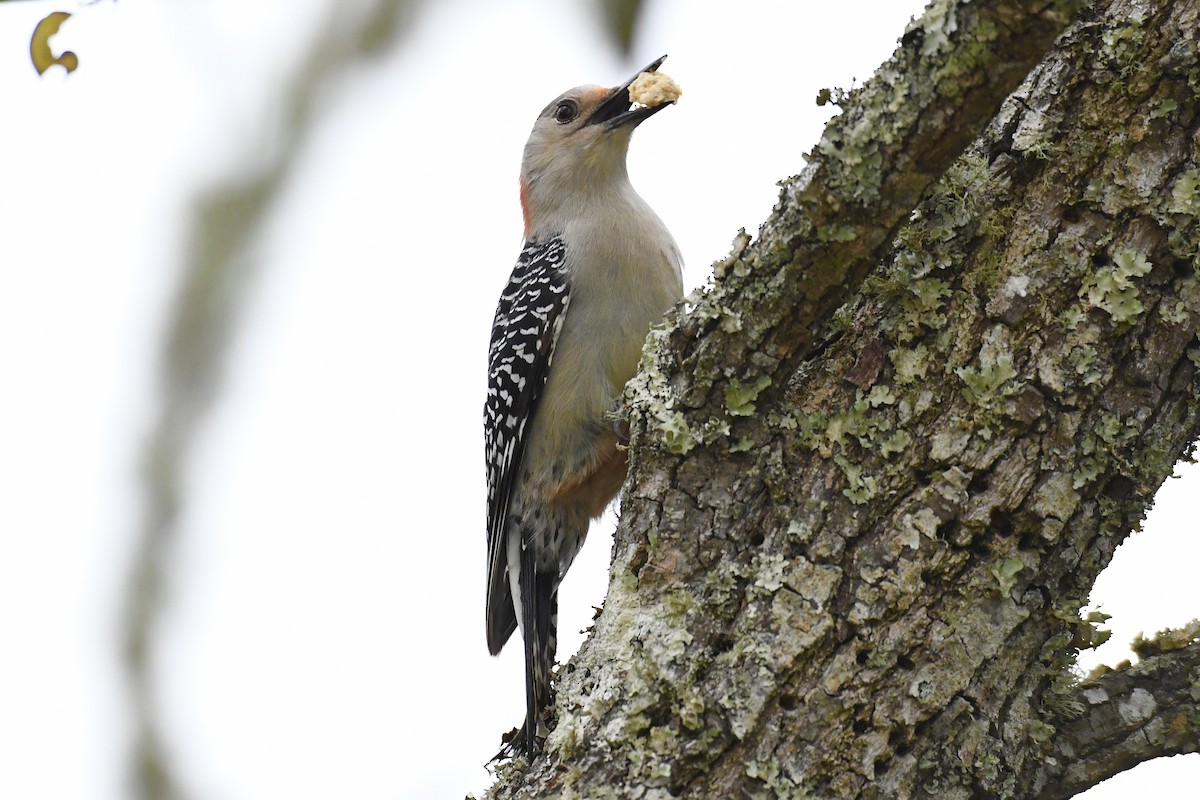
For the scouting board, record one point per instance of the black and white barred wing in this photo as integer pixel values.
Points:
(528, 320)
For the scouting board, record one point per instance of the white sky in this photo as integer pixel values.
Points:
(325, 633)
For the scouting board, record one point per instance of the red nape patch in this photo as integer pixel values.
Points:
(525, 208)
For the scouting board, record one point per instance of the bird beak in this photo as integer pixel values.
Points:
(614, 111)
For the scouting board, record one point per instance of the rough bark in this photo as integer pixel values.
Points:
(879, 463)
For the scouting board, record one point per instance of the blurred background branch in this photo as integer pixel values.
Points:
(206, 315)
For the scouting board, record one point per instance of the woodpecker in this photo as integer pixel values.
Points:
(597, 269)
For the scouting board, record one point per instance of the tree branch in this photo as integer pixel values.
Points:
(1129, 715)
(895, 137)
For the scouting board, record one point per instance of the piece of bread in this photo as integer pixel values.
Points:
(654, 89)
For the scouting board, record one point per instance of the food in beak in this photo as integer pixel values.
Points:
(654, 89)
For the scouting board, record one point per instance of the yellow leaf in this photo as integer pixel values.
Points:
(39, 47)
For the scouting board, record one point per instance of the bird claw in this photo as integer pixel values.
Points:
(621, 430)
(512, 746)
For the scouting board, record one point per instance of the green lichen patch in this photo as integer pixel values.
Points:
(837, 233)
(1098, 445)
(1091, 635)
(1185, 194)
(1120, 44)
(910, 365)
(1039, 732)
(916, 303)
(898, 442)
(862, 487)
(1087, 368)
(1166, 641)
(986, 386)
(740, 397)
(1005, 572)
(1176, 314)
(676, 435)
(1193, 355)
(741, 446)
(1164, 109)
(881, 395)
(1112, 288)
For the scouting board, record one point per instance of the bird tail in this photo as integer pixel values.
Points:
(539, 612)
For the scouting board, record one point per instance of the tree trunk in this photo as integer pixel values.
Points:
(880, 461)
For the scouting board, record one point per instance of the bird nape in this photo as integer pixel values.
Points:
(597, 270)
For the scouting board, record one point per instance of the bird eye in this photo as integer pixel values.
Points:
(566, 112)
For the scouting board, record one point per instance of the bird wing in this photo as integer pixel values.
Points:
(528, 320)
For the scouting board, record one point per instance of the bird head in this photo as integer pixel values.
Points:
(577, 149)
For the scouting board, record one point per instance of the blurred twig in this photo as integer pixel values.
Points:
(621, 19)
(228, 220)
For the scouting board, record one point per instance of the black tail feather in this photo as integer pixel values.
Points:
(539, 611)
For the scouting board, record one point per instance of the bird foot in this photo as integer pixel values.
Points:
(513, 745)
